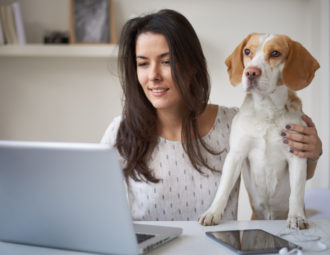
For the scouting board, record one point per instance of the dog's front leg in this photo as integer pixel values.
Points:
(298, 171)
(230, 174)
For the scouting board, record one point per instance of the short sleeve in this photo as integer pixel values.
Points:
(110, 134)
(231, 112)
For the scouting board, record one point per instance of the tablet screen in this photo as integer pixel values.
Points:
(251, 241)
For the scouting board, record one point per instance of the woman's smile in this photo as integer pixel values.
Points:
(157, 92)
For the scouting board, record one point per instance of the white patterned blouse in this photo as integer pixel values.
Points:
(183, 193)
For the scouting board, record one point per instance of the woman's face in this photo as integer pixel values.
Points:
(154, 71)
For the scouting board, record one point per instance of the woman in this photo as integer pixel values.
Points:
(171, 141)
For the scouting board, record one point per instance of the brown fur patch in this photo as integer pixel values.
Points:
(294, 101)
(252, 44)
(234, 62)
(279, 81)
(300, 67)
(277, 43)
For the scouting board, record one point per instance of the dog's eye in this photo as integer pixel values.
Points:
(247, 52)
(275, 54)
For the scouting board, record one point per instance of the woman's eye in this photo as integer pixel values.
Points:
(247, 52)
(166, 62)
(275, 54)
(142, 64)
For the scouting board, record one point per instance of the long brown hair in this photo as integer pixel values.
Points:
(137, 134)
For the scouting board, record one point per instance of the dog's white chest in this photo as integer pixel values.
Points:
(266, 153)
(267, 160)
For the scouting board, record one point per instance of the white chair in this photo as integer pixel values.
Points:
(317, 203)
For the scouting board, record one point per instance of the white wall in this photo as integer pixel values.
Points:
(324, 93)
(63, 99)
(57, 99)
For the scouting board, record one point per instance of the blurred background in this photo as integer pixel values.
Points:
(73, 97)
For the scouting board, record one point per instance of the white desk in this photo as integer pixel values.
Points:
(193, 239)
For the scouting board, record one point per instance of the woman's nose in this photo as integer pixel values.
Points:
(154, 73)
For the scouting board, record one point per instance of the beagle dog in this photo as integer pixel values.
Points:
(270, 68)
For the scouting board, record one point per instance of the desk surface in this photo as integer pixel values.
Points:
(194, 241)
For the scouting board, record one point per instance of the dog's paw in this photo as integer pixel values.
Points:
(296, 222)
(210, 217)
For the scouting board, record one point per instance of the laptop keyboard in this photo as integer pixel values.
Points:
(143, 237)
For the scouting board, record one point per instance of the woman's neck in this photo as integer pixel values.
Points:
(170, 124)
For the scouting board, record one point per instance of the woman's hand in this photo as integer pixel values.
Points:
(304, 142)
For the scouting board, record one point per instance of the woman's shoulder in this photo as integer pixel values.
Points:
(222, 125)
(226, 113)
(110, 134)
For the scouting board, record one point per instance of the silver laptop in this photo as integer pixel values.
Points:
(70, 196)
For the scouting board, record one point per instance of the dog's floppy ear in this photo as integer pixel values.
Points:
(299, 68)
(235, 64)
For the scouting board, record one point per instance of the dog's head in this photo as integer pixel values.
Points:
(261, 62)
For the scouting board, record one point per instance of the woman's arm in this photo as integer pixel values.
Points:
(305, 143)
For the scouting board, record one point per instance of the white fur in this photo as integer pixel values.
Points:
(255, 139)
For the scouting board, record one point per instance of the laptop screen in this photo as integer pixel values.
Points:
(63, 195)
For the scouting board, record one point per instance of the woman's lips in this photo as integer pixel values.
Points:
(158, 91)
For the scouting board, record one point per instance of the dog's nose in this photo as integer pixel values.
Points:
(252, 72)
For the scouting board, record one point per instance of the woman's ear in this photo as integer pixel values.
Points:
(299, 68)
(234, 62)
